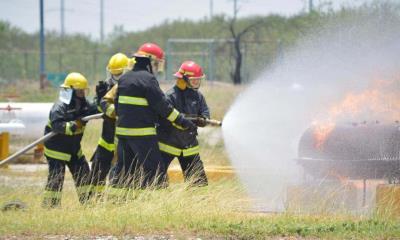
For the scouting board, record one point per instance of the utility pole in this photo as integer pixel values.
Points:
(310, 6)
(234, 9)
(211, 9)
(62, 19)
(42, 56)
(101, 20)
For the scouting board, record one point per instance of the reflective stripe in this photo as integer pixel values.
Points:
(68, 130)
(57, 155)
(177, 151)
(191, 151)
(52, 194)
(133, 100)
(173, 115)
(99, 109)
(178, 126)
(136, 131)
(169, 149)
(49, 123)
(108, 146)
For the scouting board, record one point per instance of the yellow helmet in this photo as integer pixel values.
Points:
(76, 81)
(118, 63)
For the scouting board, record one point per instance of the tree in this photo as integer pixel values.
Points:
(237, 38)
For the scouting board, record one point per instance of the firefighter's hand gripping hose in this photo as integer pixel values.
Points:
(202, 122)
(42, 139)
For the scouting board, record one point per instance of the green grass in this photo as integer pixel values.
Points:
(217, 210)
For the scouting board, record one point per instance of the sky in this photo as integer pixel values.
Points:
(83, 16)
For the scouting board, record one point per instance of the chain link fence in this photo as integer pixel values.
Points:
(216, 56)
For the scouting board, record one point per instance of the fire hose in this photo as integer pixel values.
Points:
(43, 139)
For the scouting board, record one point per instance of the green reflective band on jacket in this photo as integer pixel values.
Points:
(177, 151)
(173, 115)
(133, 100)
(68, 130)
(135, 131)
(178, 126)
(191, 151)
(57, 155)
(52, 194)
(108, 146)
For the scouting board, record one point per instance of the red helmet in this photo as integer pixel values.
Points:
(192, 73)
(150, 50)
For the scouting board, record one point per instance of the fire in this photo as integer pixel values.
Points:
(321, 132)
(379, 102)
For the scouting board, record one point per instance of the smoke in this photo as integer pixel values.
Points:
(262, 128)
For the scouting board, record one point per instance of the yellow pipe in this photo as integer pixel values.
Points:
(4, 145)
(214, 173)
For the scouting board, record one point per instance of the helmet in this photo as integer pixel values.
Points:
(150, 50)
(76, 81)
(192, 73)
(118, 63)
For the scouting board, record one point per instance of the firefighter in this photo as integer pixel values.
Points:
(182, 143)
(139, 101)
(102, 157)
(64, 149)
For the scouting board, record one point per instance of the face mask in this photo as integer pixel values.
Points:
(116, 77)
(65, 95)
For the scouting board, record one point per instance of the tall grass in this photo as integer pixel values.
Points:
(219, 210)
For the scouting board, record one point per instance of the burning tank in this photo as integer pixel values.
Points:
(367, 150)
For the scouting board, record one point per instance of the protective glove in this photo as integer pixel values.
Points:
(185, 123)
(200, 122)
(101, 90)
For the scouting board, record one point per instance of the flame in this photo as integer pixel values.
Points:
(380, 101)
(321, 132)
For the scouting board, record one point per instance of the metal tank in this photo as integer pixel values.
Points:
(355, 150)
(24, 119)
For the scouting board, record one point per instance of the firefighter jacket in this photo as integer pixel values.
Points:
(173, 139)
(138, 102)
(108, 130)
(62, 120)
